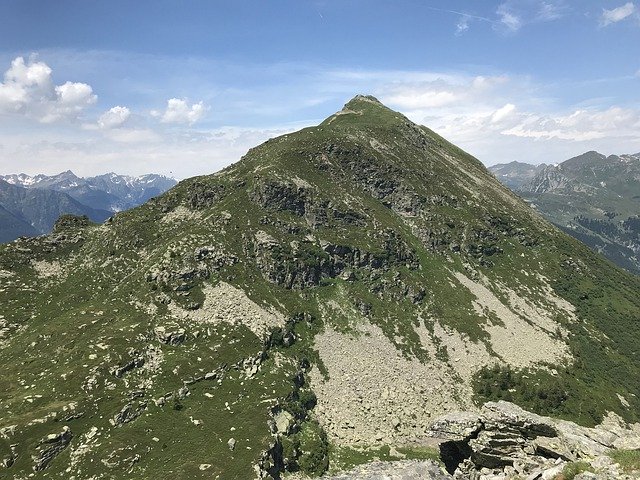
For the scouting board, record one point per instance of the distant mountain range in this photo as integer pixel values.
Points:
(29, 205)
(516, 174)
(593, 197)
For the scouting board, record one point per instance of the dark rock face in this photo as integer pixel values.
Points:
(50, 447)
(305, 264)
(128, 413)
(273, 194)
(71, 222)
(203, 195)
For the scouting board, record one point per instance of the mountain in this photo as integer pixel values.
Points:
(318, 304)
(31, 204)
(33, 211)
(596, 199)
(515, 174)
(110, 192)
(13, 226)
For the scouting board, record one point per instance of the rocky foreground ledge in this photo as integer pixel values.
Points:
(503, 441)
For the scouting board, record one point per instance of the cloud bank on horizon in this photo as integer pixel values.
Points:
(181, 111)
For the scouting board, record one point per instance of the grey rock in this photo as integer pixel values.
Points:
(128, 413)
(183, 393)
(458, 426)
(173, 337)
(50, 447)
(504, 439)
(283, 422)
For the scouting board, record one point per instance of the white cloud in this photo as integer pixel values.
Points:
(438, 91)
(580, 125)
(476, 112)
(509, 19)
(419, 98)
(28, 90)
(515, 14)
(179, 111)
(617, 14)
(503, 112)
(140, 151)
(136, 135)
(114, 117)
(463, 24)
(549, 11)
(482, 118)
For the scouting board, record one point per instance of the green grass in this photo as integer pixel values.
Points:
(629, 460)
(108, 304)
(345, 458)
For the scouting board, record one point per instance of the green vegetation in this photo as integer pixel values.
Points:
(111, 330)
(345, 458)
(535, 391)
(572, 469)
(629, 460)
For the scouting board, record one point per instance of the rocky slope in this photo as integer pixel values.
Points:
(592, 197)
(318, 304)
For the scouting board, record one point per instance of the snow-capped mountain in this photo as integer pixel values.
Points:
(29, 205)
(110, 191)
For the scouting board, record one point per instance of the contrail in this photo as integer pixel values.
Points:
(455, 12)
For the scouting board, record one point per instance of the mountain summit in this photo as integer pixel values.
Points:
(317, 303)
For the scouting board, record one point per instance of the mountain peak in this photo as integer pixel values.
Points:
(365, 98)
(365, 102)
(364, 110)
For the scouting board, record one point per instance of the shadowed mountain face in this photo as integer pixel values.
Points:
(13, 226)
(338, 287)
(34, 203)
(104, 192)
(592, 197)
(34, 211)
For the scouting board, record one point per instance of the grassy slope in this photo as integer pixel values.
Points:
(55, 326)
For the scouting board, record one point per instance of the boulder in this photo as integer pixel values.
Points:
(231, 443)
(170, 337)
(283, 422)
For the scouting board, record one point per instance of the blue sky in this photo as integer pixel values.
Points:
(186, 87)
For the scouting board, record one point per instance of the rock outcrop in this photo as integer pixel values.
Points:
(49, 447)
(504, 441)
